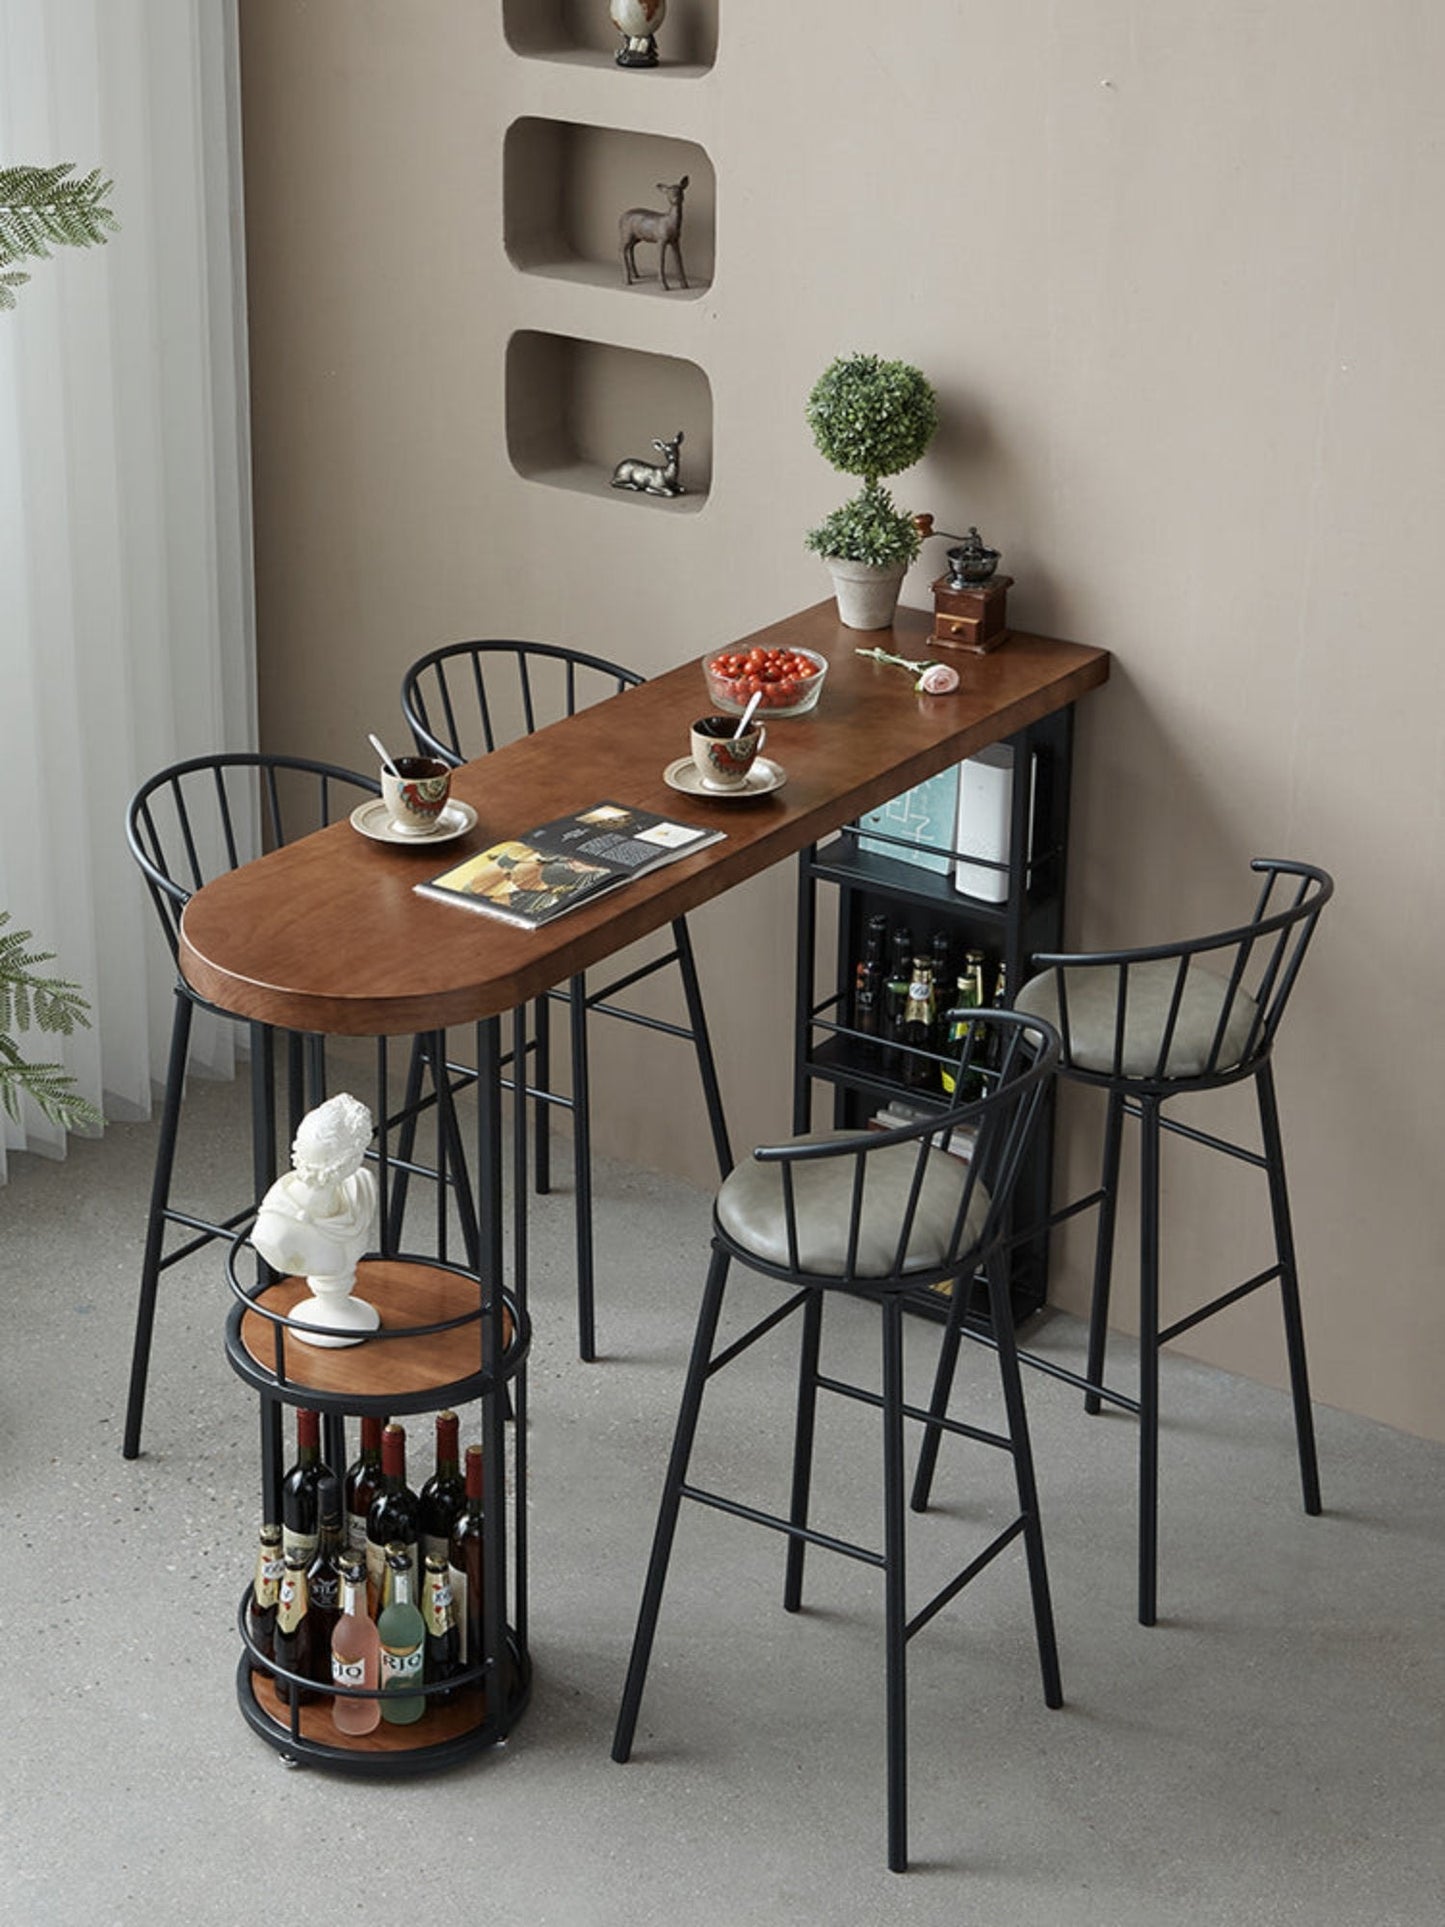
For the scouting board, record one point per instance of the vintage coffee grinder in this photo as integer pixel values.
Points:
(970, 602)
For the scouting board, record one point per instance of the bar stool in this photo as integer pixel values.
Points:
(464, 700)
(1148, 1026)
(189, 822)
(878, 1215)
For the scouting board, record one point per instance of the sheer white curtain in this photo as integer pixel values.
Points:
(126, 626)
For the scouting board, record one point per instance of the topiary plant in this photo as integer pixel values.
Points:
(870, 418)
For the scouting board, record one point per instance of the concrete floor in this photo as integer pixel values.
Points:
(1270, 1753)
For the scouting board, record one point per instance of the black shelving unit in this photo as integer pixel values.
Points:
(446, 1343)
(830, 1052)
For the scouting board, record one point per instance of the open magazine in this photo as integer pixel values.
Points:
(531, 879)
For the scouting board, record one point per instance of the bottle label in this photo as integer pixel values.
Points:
(347, 1672)
(291, 1606)
(306, 1542)
(326, 1591)
(269, 1568)
(356, 1531)
(401, 1666)
(458, 1582)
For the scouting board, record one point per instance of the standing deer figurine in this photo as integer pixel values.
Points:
(655, 224)
(652, 478)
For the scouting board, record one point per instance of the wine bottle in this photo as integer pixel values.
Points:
(920, 1015)
(442, 1651)
(868, 980)
(300, 1521)
(394, 1518)
(401, 1631)
(265, 1590)
(295, 1641)
(362, 1483)
(355, 1652)
(895, 1000)
(464, 1561)
(444, 1495)
(323, 1575)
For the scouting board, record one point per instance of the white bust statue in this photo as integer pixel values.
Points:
(317, 1220)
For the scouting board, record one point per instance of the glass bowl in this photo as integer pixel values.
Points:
(733, 674)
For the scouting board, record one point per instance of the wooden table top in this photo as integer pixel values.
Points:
(329, 935)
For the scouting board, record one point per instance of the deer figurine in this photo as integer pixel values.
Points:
(655, 224)
(652, 478)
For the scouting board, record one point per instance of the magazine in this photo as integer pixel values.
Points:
(530, 879)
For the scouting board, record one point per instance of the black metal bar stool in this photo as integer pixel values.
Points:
(1148, 1026)
(192, 821)
(877, 1215)
(462, 701)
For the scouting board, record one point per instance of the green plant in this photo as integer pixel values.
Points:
(870, 418)
(869, 527)
(41, 208)
(50, 1003)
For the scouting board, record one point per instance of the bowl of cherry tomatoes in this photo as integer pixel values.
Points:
(790, 681)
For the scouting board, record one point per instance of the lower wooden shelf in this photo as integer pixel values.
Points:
(443, 1736)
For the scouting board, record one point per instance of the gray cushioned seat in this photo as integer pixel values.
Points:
(750, 1209)
(1093, 999)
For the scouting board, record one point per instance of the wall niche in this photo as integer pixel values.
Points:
(565, 185)
(575, 408)
(580, 30)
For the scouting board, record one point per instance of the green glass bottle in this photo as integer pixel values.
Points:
(402, 1632)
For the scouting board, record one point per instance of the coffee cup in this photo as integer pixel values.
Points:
(416, 794)
(722, 758)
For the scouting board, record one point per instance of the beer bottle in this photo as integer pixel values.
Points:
(464, 1561)
(402, 1633)
(323, 1575)
(355, 1652)
(919, 1018)
(442, 1652)
(265, 1590)
(444, 1495)
(868, 983)
(362, 1483)
(967, 998)
(394, 1518)
(895, 1001)
(295, 1641)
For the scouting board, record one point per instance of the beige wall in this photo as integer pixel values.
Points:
(1176, 275)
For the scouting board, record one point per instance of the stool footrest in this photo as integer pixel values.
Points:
(758, 1518)
(915, 1412)
(1218, 1304)
(970, 1572)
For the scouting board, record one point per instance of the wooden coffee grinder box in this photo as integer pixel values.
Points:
(970, 602)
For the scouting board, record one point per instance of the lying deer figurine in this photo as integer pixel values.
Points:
(650, 477)
(655, 224)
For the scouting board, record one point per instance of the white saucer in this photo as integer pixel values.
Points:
(763, 777)
(372, 820)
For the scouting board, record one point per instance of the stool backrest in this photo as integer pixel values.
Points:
(967, 1199)
(200, 818)
(468, 698)
(1234, 984)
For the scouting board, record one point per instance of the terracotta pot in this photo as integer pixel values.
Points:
(867, 592)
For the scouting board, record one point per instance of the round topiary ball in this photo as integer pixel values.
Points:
(871, 417)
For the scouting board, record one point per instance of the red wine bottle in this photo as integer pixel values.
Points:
(363, 1483)
(300, 1515)
(394, 1518)
(464, 1559)
(444, 1496)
